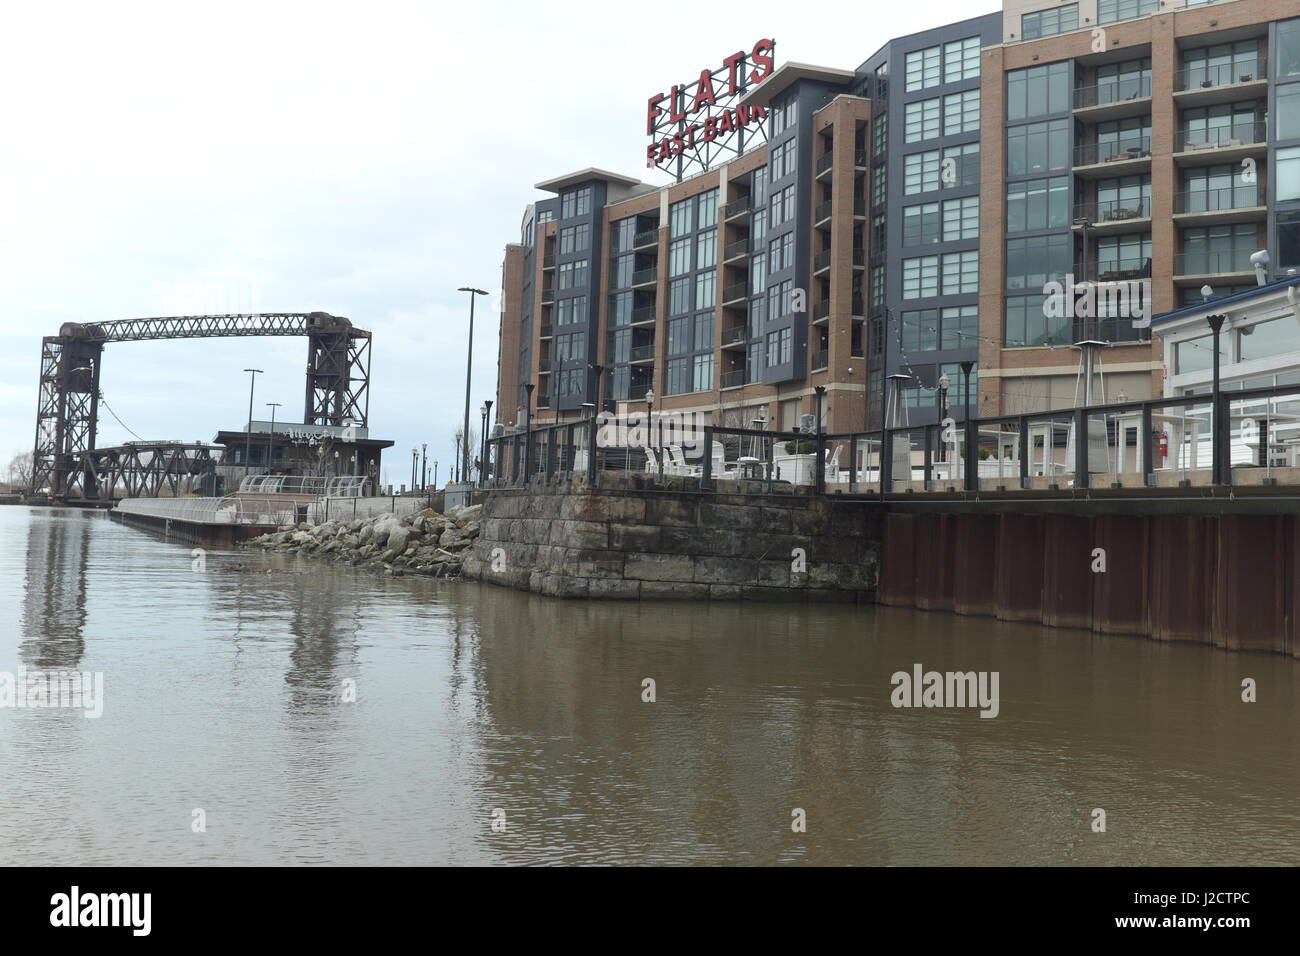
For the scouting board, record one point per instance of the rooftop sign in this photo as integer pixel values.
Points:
(695, 123)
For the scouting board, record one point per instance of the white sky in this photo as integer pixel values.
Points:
(360, 159)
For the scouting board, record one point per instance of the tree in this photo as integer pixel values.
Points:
(21, 470)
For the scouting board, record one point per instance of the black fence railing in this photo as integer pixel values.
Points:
(1206, 76)
(1223, 199)
(1117, 90)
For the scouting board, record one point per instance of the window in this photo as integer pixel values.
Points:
(961, 219)
(922, 69)
(880, 133)
(1111, 11)
(920, 330)
(758, 226)
(705, 290)
(679, 218)
(921, 224)
(961, 113)
(783, 157)
(678, 373)
(1288, 48)
(959, 327)
(1038, 91)
(624, 266)
(572, 275)
(1123, 197)
(876, 286)
(679, 336)
(708, 209)
(920, 172)
(702, 373)
(961, 60)
(1046, 23)
(757, 273)
(921, 120)
(960, 166)
(778, 299)
(1123, 136)
(618, 347)
(921, 277)
(620, 309)
(1129, 80)
(703, 336)
(1026, 323)
(1288, 111)
(1226, 248)
(878, 182)
(781, 251)
(1212, 188)
(1218, 125)
(575, 238)
(624, 235)
(779, 347)
(1033, 262)
(1038, 204)
(1123, 257)
(961, 272)
(1038, 147)
(1220, 64)
(679, 296)
(1287, 163)
(576, 202)
(1288, 241)
(679, 257)
(960, 384)
(706, 250)
(572, 311)
(546, 215)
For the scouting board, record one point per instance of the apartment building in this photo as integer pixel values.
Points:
(907, 224)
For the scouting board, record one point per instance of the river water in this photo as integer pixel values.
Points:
(493, 726)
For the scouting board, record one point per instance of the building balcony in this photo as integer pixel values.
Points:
(1113, 158)
(1236, 203)
(1227, 266)
(1205, 84)
(1113, 215)
(1221, 144)
(859, 159)
(736, 295)
(646, 239)
(637, 392)
(822, 262)
(821, 312)
(548, 296)
(736, 252)
(859, 209)
(645, 277)
(734, 337)
(1112, 270)
(642, 355)
(822, 215)
(735, 378)
(859, 257)
(644, 315)
(548, 263)
(546, 331)
(820, 360)
(736, 209)
(543, 400)
(823, 166)
(1113, 99)
(858, 307)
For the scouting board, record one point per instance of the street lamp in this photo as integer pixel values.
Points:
(469, 366)
(248, 435)
(270, 451)
(650, 427)
(482, 438)
(424, 465)
(944, 382)
(415, 464)
(435, 474)
(458, 466)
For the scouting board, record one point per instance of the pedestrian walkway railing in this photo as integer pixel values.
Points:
(1239, 437)
(336, 486)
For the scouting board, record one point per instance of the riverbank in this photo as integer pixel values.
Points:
(427, 543)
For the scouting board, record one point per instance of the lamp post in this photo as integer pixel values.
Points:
(469, 367)
(270, 451)
(459, 465)
(424, 465)
(966, 367)
(482, 439)
(650, 427)
(248, 435)
(1217, 419)
(415, 465)
(884, 398)
(435, 474)
(528, 429)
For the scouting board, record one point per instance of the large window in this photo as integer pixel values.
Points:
(921, 120)
(959, 327)
(572, 275)
(921, 277)
(779, 347)
(680, 221)
(1288, 48)
(961, 219)
(679, 256)
(1123, 197)
(1038, 91)
(1046, 23)
(961, 113)
(1212, 249)
(708, 214)
(576, 202)
(1221, 64)
(961, 272)
(1038, 204)
(1219, 125)
(1129, 80)
(1288, 111)
(706, 250)
(948, 168)
(1288, 173)
(920, 330)
(1038, 147)
(951, 63)
(952, 274)
(1124, 257)
(623, 234)
(1117, 137)
(1033, 262)
(961, 60)
(571, 311)
(1026, 323)
(1288, 240)
(922, 68)
(1213, 188)
(921, 224)
(575, 238)
(1112, 11)
(705, 289)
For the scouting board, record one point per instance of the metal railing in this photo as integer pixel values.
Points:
(1213, 262)
(1206, 76)
(1118, 90)
(1102, 211)
(736, 208)
(1113, 151)
(820, 360)
(645, 238)
(1220, 137)
(1238, 196)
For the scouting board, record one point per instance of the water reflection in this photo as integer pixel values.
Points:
(54, 590)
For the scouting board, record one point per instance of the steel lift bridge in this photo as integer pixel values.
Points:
(68, 467)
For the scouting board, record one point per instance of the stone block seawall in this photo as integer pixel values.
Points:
(637, 538)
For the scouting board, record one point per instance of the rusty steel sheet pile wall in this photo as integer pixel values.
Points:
(1230, 581)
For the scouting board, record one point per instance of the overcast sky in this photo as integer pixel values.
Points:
(360, 159)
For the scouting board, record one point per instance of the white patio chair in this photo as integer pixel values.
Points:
(720, 467)
(680, 466)
(651, 462)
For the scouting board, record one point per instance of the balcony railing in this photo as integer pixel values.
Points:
(543, 400)
(734, 378)
(645, 238)
(546, 331)
(1207, 76)
(822, 260)
(1238, 196)
(734, 335)
(1212, 262)
(821, 310)
(860, 208)
(548, 262)
(736, 250)
(1136, 147)
(859, 256)
(645, 276)
(548, 296)
(1115, 270)
(636, 393)
(823, 212)
(1113, 210)
(736, 292)
(1220, 137)
(858, 306)
(641, 353)
(1118, 90)
(820, 360)
(736, 208)
(824, 162)
(643, 315)
(860, 158)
